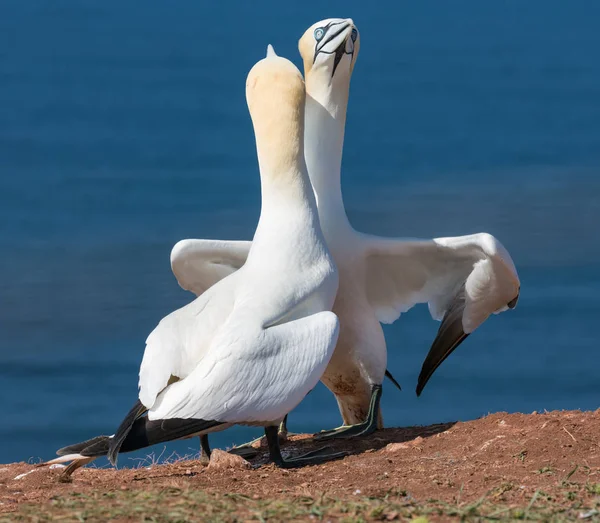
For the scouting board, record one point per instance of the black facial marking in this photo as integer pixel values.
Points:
(325, 29)
(326, 37)
(339, 53)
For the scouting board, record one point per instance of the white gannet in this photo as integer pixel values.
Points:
(463, 279)
(250, 348)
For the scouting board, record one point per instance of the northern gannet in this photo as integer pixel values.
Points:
(463, 279)
(250, 348)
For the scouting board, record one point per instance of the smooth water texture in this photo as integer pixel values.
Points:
(124, 128)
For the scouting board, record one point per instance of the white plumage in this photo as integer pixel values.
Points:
(252, 346)
(464, 278)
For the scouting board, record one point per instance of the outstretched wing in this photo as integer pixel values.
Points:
(463, 279)
(199, 264)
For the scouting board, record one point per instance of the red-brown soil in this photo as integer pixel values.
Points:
(506, 456)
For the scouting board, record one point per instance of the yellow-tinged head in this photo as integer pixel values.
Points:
(275, 97)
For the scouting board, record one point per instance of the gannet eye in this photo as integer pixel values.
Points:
(318, 34)
(354, 34)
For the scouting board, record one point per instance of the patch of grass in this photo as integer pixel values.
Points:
(180, 505)
(593, 488)
(566, 481)
(545, 471)
(521, 456)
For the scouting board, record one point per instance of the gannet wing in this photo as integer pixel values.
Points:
(463, 279)
(181, 339)
(199, 264)
(253, 374)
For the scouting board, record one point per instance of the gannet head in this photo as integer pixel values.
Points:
(329, 49)
(275, 95)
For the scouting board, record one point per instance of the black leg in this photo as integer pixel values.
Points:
(315, 457)
(204, 450)
(361, 429)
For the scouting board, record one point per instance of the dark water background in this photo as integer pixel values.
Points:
(123, 128)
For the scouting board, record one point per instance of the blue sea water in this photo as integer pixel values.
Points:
(124, 128)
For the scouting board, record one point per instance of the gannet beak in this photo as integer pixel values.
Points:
(337, 38)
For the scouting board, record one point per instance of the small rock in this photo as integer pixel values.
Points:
(57, 466)
(224, 460)
(21, 476)
(395, 447)
(357, 492)
(391, 516)
(255, 496)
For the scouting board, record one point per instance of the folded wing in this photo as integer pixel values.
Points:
(253, 375)
(199, 264)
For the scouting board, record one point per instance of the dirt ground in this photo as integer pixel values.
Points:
(506, 456)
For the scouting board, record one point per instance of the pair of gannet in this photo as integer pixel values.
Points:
(463, 279)
(252, 346)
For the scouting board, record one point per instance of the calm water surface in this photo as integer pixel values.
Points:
(124, 128)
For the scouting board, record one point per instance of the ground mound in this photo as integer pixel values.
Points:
(540, 465)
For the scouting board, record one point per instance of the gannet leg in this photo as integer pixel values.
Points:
(283, 431)
(247, 450)
(204, 450)
(361, 429)
(315, 457)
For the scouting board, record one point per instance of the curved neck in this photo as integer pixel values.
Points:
(325, 121)
(287, 198)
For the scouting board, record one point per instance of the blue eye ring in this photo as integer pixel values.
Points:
(319, 33)
(354, 34)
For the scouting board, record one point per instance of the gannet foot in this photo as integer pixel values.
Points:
(315, 457)
(204, 450)
(360, 429)
(247, 450)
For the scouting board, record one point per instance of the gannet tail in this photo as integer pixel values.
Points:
(135, 432)
(270, 51)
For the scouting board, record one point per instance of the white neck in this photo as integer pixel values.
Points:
(288, 202)
(325, 121)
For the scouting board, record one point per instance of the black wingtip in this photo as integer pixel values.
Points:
(389, 376)
(78, 448)
(449, 336)
(434, 360)
(115, 443)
